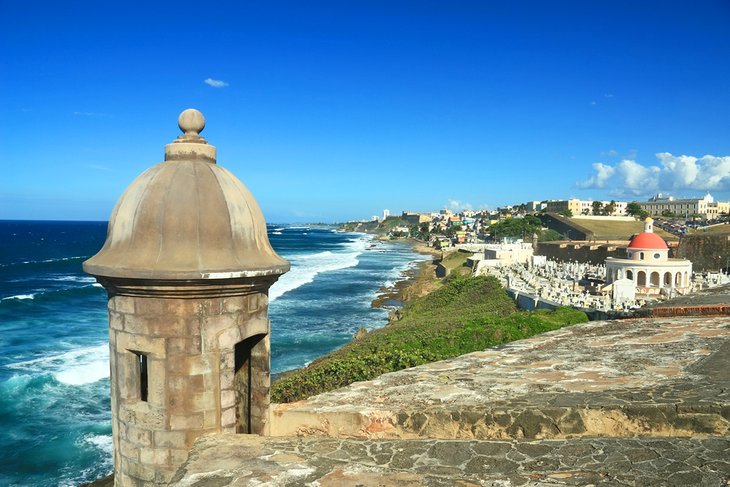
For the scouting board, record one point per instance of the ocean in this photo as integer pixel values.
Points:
(54, 372)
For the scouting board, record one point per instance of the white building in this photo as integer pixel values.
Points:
(505, 254)
(705, 207)
(648, 265)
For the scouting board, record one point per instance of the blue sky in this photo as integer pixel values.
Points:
(336, 110)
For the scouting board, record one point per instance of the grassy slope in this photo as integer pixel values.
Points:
(466, 314)
(618, 230)
(714, 230)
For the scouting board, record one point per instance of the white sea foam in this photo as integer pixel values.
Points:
(19, 296)
(72, 278)
(276, 233)
(306, 267)
(60, 259)
(74, 367)
(102, 442)
(105, 446)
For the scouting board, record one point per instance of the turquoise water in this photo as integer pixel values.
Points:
(54, 372)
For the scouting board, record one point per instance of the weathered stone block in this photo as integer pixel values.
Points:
(138, 470)
(138, 436)
(124, 304)
(227, 339)
(186, 422)
(228, 417)
(116, 320)
(228, 398)
(211, 420)
(128, 450)
(208, 307)
(169, 439)
(199, 364)
(178, 456)
(234, 304)
(193, 326)
(203, 401)
(141, 343)
(154, 456)
(183, 345)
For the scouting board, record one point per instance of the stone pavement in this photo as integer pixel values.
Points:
(643, 402)
(246, 460)
(654, 377)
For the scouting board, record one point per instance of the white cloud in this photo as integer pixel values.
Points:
(457, 205)
(604, 172)
(215, 83)
(672, 173)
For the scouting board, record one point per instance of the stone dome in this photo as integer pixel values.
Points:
(187, 219)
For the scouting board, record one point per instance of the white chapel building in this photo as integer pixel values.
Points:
(648, 265)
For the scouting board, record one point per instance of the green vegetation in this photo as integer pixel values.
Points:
(550, 235)
(455, 263)
(379, 228)
(421, 232)
(464, 315)
(523, 228)
(635, 210)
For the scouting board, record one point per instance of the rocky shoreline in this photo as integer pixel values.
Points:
(415, 282)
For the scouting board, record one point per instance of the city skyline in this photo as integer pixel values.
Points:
(331, 112)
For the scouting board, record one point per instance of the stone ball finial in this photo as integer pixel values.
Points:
(191, 122)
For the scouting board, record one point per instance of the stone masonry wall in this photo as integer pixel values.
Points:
(707, 252)
(189, 345)
(592, 254)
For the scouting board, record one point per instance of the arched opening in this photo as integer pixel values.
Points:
(655, 279)
(641, 278)
(641, 255)
(251, 384)
(619, 273)
(630, 275)
(678, 280)
(668, 279)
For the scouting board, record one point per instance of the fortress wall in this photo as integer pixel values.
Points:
(707, 252)
(579, 251)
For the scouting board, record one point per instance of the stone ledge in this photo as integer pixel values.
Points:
(640, 377)
(228, 460)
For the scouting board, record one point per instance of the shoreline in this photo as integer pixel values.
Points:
(415, 282)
